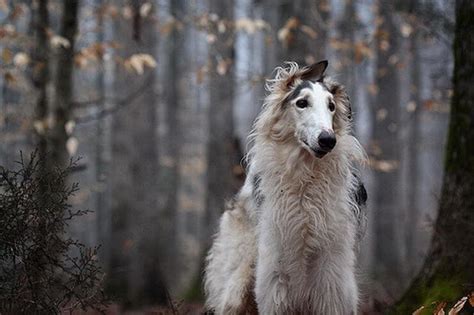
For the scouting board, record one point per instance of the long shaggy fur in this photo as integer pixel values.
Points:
(287, 242)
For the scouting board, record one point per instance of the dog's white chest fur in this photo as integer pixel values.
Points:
(304, 227)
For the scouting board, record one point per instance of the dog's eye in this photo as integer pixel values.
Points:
(302, 103)
(332, 106)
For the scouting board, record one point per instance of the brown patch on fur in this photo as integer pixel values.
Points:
(249, 305)
(289, 82)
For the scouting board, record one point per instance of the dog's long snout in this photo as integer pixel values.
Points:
(327, 140)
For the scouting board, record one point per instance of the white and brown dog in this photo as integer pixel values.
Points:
(287, 243)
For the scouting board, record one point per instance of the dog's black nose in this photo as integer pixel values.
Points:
(327, 140)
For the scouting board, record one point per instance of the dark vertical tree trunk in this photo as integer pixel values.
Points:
(303, 47)
(220, 180)
(63, 84)
(102, 148)
(388, 245)
(413, 219)
(40, 77)
(448, 271)
(135, 274)
(348, 28)
(220, 147)
(171, 48)
(40, 73)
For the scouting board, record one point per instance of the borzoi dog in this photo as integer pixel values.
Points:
(287, 242)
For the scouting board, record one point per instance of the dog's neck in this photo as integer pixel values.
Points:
(291, 159)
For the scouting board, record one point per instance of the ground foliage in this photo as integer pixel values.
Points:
(43, 271)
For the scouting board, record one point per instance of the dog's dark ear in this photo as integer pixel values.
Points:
(340, 94)
(315, 72)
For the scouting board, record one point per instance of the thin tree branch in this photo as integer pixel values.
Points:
(119, 104)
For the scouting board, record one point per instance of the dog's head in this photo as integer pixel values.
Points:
(308, 108)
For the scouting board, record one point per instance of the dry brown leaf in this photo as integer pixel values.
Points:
(138, 62)
(418, 311)
(250, 25)
(21, 60)
(385, 166)
(406, 30)
(201, 74)
(7, 30)
(69, 127)
(145, 9)
(393, 59)
(170, 25)
(339, 44)
(471, 299)
(221, 27)
(111, 10)
(168, 161)
(384, 45)
(59, 41)
(211, 38)
(148, 60)
(7, 55)
(411, 106)
(361, 50)
(40, 126)
(80, 60)
(9, 78)
(309, 31)
(439, 310)
(429, 104)
(373, 89)
(127, 12)
(285, 34)
(223, 66)
(71, 145)
(458, 306)
(381, 114)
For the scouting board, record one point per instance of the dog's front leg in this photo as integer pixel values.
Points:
(271, 286)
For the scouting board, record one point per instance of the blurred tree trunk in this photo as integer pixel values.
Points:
(220, 146)
(135, 276)
(63, 84)
(40, 77)
(348, 27)
(448, 271)
(388, 251)
(193, 117)
(170, 49)
(246, 102)
(307, 42)
(103, 144)
(220, 180)
(40, 72)
(272, 16)
(413, 219)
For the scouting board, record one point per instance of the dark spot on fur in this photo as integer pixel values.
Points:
(360, 195)
(296, 91)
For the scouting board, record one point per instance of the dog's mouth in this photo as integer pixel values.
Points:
(317, 152)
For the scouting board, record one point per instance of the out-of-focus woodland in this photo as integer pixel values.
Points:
(157, 99)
